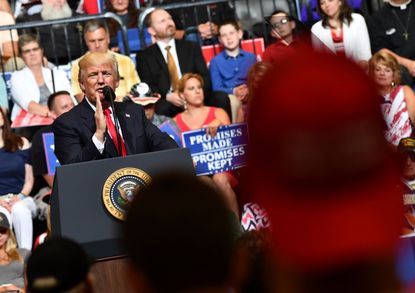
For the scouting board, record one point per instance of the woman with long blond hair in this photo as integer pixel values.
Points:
(11, 259)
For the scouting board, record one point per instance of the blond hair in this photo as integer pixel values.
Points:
(388, 60)
(96, 59)
(11, 247)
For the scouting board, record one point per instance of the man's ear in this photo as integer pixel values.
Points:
(240, 34)
(81, 85)
(151, 31)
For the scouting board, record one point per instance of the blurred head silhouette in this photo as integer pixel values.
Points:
(178, 236)
(327, 177)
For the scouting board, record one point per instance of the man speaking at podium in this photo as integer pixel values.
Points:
(88, 131)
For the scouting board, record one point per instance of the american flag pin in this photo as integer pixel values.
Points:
(127, 115)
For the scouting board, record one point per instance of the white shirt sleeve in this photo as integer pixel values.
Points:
(99, 145)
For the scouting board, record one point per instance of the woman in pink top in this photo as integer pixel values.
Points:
(197, 116)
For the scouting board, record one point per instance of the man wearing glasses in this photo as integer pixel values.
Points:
(282, 29)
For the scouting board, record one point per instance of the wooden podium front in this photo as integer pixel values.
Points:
(110, 276)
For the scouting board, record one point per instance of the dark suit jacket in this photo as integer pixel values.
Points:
(74, 130)
(152, 69)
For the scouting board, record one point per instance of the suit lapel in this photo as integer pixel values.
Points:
(160, 59)
(181, 56)
(87, 116)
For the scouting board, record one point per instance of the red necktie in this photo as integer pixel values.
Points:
(113, 133)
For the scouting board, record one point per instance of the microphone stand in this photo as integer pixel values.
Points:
(110, 95)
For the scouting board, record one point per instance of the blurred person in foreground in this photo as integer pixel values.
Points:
(16, 183)
(12, 259)
(398, 101)
(58, 265)
(328, 178)
(179, 237)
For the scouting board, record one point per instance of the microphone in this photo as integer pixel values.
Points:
(108, 94)
(109, 97)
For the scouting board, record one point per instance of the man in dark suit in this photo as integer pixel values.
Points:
(152, 65)
(82, 133)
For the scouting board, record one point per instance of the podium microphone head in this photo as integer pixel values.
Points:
(108, 93)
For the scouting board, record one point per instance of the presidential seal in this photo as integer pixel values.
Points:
(119, 189)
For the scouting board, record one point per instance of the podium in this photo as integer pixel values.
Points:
(78, 209)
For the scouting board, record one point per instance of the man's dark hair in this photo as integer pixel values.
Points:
(178, 234)
(52, 97)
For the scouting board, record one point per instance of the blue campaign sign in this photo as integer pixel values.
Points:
(168, 128)
(226, 151)
(49, 147)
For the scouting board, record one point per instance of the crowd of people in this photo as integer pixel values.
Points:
(329, 108)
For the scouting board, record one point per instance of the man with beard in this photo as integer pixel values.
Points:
(163, 64)
(57, 48)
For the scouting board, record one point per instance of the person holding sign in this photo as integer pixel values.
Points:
(196, 116)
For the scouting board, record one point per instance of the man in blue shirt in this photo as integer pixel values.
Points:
(229, 69)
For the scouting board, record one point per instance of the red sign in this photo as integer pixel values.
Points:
(255, 46)
(25, 119)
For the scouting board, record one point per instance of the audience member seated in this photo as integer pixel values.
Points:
(12, 259)
(97, 39)
(16, 182)
(283, 29)
(199, 25)
(392, 28)
(255, 75)
(31, 86)
(197, 116)
(56, 47)
(398, 101)
(58, 265)
(128, 13)
(406, 151)
(229, 69)
(342, 32)
(179, 237)
(58, 103)
(162, 64)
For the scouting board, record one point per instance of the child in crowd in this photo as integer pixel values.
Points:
(229, 69)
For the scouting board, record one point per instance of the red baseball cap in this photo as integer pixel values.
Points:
(328, 179)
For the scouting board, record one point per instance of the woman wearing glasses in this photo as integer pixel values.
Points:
(398, 101)
(31, 86)
(341, 31)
